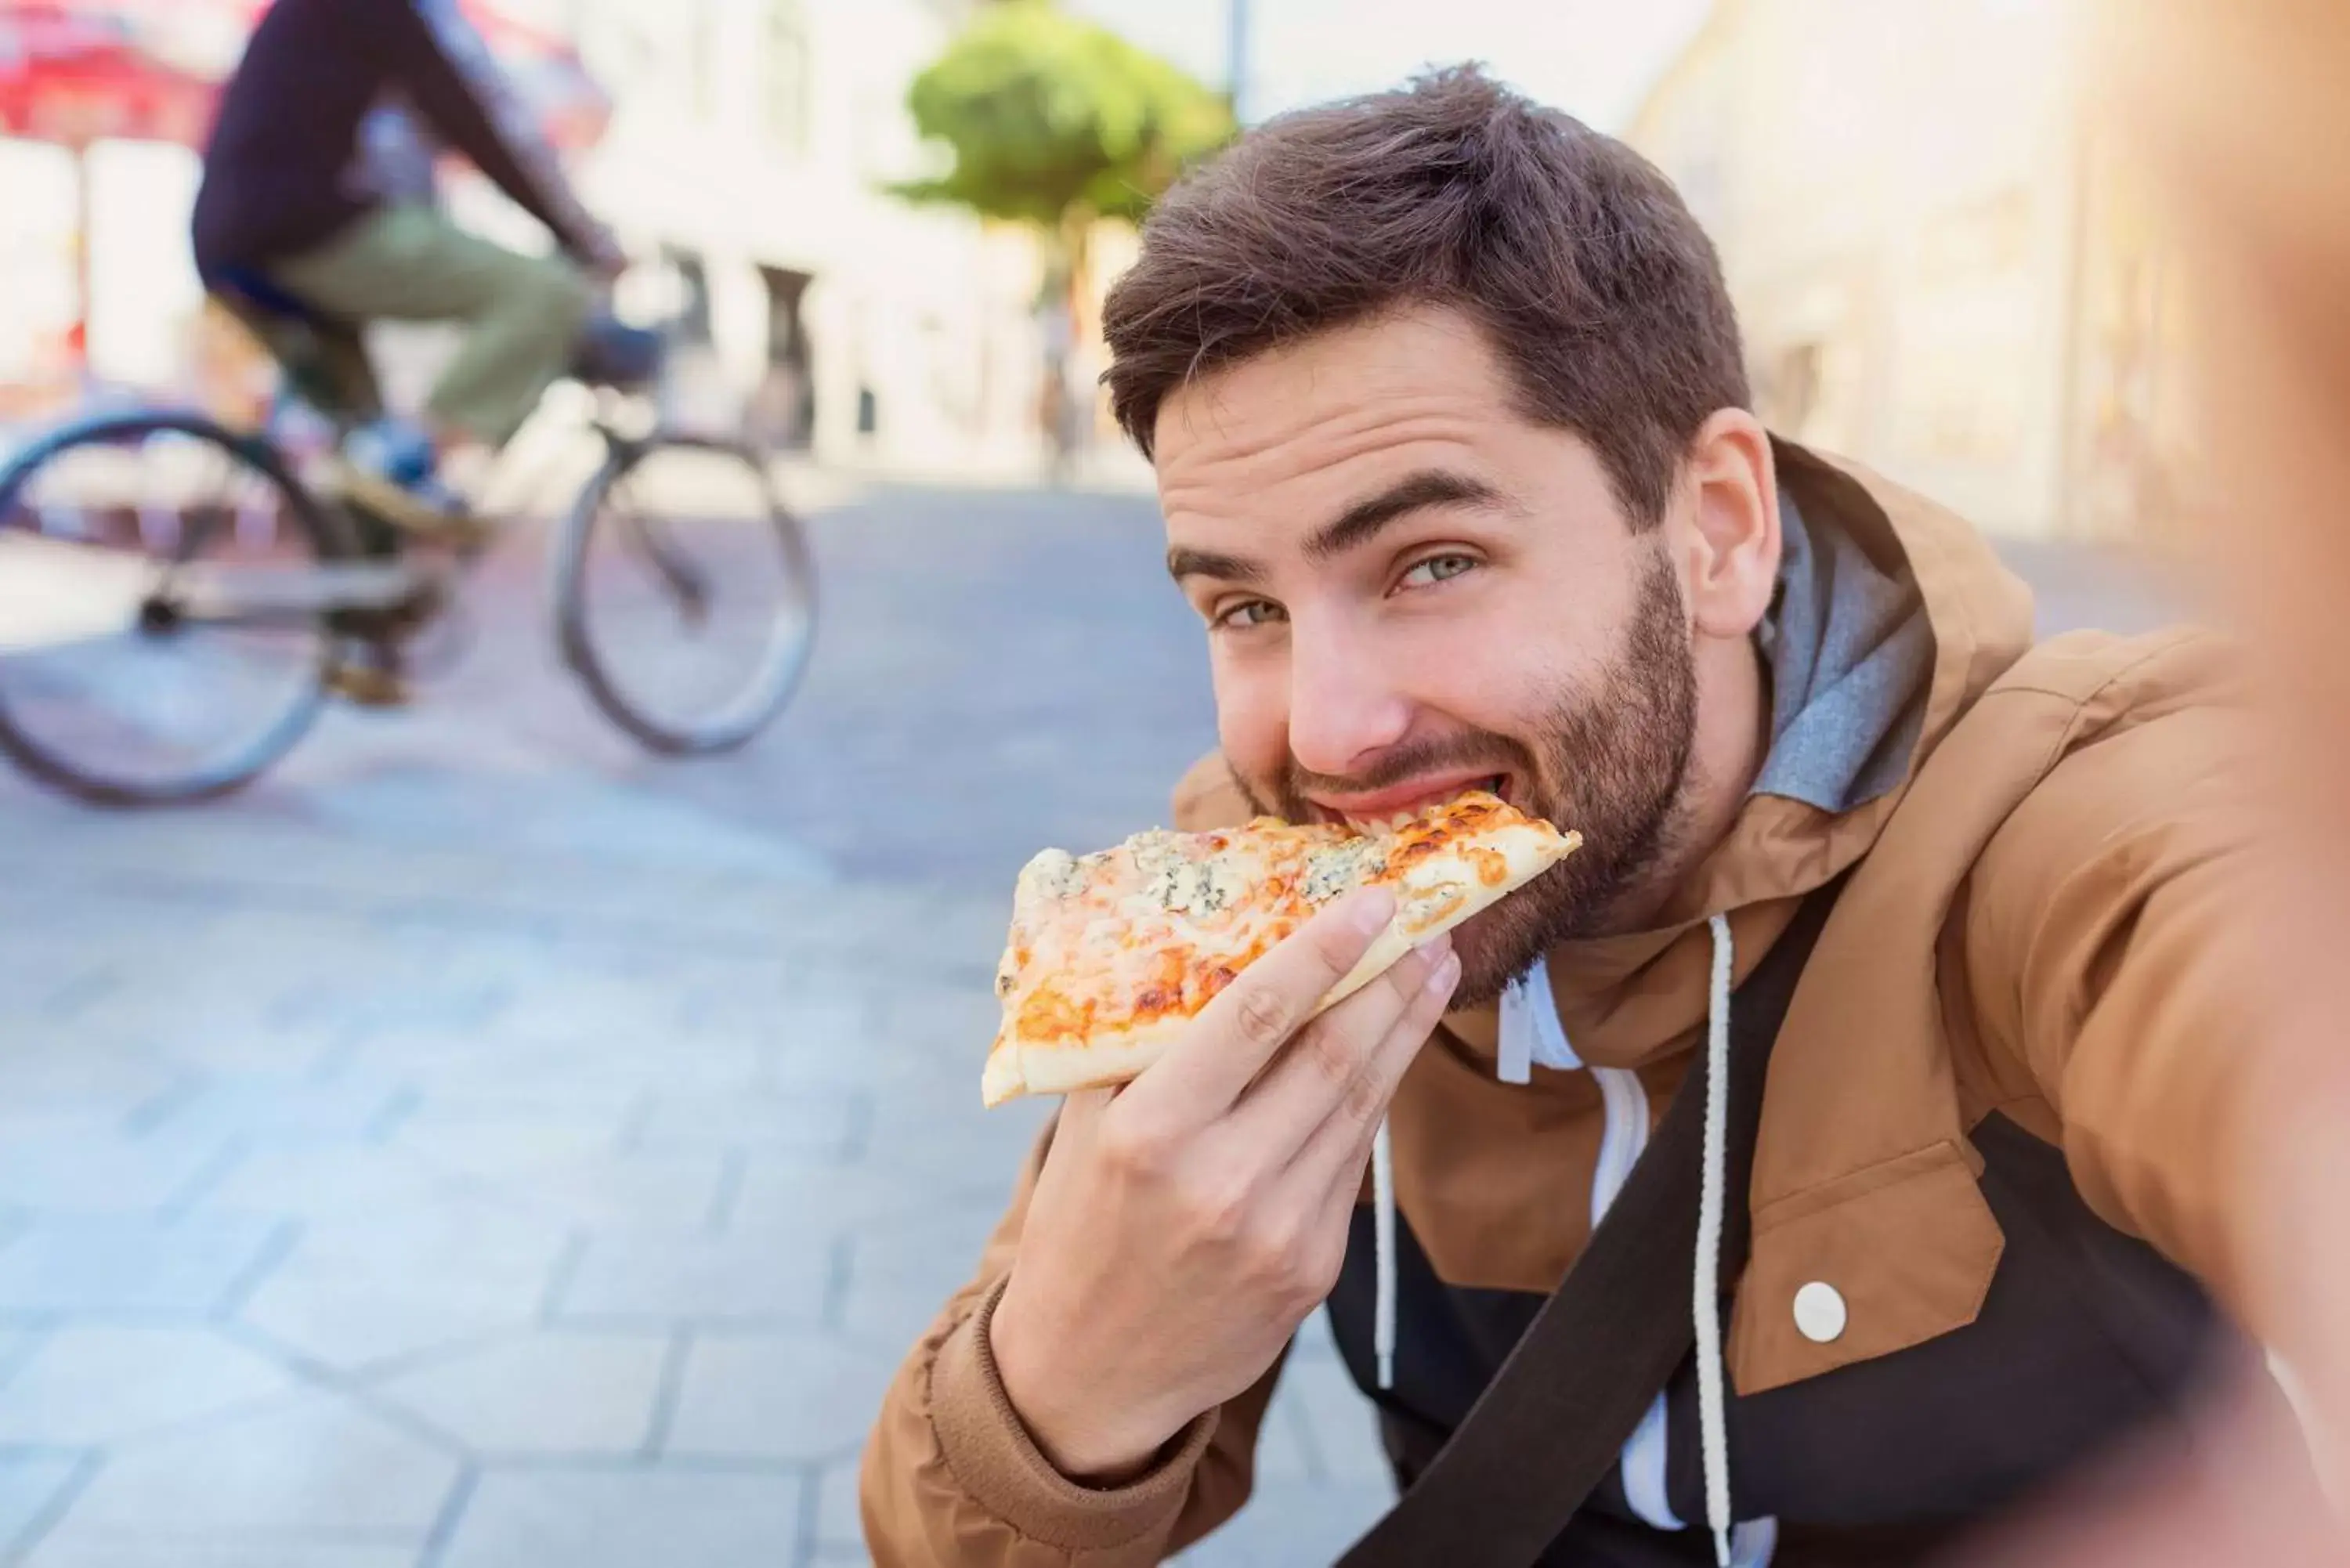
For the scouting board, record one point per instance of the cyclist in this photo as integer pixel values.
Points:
(316, 215)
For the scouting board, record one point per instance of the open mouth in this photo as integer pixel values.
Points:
(1399, 808)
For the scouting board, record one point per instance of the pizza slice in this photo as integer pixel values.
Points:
(1111, 954)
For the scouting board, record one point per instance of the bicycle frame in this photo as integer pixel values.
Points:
(263, 596)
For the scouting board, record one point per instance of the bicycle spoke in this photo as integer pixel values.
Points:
(687, 587)
(685, 600)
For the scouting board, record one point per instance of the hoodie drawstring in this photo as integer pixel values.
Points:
(1706, 1296)
(1383, 1219)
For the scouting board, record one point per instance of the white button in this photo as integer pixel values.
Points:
(1819, 1312)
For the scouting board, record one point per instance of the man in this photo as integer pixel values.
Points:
(317, 190)
(1445, 399)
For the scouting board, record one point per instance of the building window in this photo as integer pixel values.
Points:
(783, 85)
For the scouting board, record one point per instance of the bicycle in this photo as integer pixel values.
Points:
(178, 599)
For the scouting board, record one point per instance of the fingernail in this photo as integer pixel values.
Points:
(1374, 909)
(1448, 971)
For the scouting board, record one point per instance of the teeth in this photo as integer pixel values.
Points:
(1384, 822)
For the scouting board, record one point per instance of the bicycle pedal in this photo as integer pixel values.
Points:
(364, 686)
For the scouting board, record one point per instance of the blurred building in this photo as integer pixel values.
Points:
(1940, 266)
(751, 149)
(748, 156)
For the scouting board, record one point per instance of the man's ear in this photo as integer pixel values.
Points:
(1728, 523)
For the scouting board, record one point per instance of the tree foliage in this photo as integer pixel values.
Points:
(1053, 120)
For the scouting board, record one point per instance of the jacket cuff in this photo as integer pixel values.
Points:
(996, 1461)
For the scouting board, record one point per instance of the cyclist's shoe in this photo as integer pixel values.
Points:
(387, 468)
(370, 676)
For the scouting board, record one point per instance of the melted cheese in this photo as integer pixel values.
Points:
(1333, 868)
(1155, 926)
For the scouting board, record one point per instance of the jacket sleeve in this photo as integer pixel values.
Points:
(463, 93)
(2107, 949)
(951, 1479)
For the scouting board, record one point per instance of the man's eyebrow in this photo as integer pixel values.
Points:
(1413, 492)
(1185, 562)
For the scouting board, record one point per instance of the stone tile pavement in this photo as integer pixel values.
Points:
(479, 1147)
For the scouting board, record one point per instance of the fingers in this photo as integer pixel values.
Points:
(1229, 1043)
(1331, 1162)
(1328, 1070)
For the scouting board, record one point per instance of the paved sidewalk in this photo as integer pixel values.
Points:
(483, 1147)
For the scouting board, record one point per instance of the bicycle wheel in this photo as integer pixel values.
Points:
(114, 686)
(684, 595)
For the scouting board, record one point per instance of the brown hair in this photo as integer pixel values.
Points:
(1594, 283)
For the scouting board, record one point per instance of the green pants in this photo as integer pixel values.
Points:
(410, 264)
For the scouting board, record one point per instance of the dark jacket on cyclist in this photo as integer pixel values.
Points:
(288, 167)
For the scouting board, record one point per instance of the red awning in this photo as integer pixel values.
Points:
(76, 71)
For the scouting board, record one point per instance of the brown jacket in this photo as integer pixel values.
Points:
(2039, 923)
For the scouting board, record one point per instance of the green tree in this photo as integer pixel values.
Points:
(1056, 121)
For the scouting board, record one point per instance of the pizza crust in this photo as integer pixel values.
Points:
(1455, 881)
(1445, 889)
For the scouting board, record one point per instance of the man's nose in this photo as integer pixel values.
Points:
(1342, 710)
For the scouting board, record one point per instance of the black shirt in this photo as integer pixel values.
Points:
(279, 171)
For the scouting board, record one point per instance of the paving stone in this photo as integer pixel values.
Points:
(902, 1271)
(316, 1462)
(659, 1192)
(492, 1149)
(542, 1394)
(16, 1347)
(814, 1119)
(626, 1519)
(784, 1193)
(203, 1044)
(699, 1279)
(101, 1549)
(42, 1072)
(355, 1325)
(778, 1397)
(471, 1240)
(838, 1524)
(1287, 1523)
(283, 1107)
(316, 1183)
(87, 1168)
(30, 1486)
(88, 1385)
(108, 1263)
(941, 1128)
(361, 1288)
(784, 1013)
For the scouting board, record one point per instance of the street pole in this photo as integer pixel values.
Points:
(1236, 58)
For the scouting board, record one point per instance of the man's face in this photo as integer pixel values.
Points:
(1411, 589)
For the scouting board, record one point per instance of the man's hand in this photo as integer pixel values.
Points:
(1183, 1226)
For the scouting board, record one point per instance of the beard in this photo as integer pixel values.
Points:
(1609, 760)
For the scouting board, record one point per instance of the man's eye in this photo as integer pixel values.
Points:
(1249, 613)
(1437, 569)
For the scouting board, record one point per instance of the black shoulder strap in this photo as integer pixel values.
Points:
(1549, 1426)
